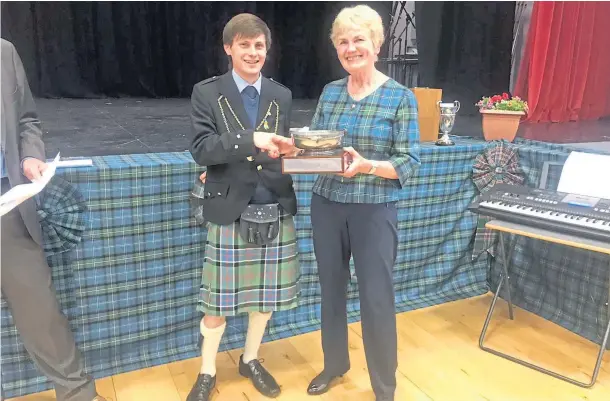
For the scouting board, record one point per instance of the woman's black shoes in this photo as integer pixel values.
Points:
(321, 383)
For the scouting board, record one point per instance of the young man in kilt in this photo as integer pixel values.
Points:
(241, 121)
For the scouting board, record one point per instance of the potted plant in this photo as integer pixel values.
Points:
(501, 116)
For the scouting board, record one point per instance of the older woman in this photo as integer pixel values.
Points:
(354, 214)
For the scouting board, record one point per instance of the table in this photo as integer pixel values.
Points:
(129, 287)
(506, 228)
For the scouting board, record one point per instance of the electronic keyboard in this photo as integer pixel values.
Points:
(578, 215)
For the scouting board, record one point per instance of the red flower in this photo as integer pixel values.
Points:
(505, 96)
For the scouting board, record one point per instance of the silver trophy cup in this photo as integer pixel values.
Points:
(447, 119)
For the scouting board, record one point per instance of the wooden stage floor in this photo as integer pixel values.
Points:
(439, 360)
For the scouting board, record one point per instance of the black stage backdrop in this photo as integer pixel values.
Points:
(465, 49)
(161, 49)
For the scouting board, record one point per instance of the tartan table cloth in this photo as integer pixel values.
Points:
(130, 286)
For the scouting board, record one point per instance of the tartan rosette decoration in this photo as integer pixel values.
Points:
(497, 165)
(61, 209)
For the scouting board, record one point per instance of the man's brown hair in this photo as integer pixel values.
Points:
(247, 26)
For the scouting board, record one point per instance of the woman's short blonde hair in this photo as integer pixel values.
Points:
(361, 16)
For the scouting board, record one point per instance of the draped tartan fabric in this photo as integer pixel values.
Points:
(130, 287)
(498, 164)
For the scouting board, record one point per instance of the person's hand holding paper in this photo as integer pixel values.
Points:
(33, 168)
(40, 173)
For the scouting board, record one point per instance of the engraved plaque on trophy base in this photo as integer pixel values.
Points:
(314, 163)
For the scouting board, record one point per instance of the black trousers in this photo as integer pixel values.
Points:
(368, 232)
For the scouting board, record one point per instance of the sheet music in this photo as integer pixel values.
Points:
(20, 193)
(586, 174)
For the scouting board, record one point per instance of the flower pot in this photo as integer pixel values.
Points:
(500, 124)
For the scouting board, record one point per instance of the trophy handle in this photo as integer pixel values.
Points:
(457, 106)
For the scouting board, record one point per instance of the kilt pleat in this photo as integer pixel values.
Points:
(240, 278)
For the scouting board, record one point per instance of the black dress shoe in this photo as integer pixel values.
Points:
(202, 389)
(321, 383)
(260, 377)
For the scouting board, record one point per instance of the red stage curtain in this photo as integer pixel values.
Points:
(565, 70)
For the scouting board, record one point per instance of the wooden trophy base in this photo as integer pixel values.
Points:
(314, 163)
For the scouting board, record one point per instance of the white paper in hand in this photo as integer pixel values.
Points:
(20, 193)
(48, 173)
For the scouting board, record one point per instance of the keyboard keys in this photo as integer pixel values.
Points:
(567, 218)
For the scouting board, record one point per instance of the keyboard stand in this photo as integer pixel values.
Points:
(506, 228)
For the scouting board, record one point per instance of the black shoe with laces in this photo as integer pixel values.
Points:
(260, 377)
(202, 389)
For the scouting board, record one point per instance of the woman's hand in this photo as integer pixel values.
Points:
(202, 177)
(355, 162)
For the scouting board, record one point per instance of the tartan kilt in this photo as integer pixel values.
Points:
(239, 277)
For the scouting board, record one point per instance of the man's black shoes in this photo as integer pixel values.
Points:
(260, 377)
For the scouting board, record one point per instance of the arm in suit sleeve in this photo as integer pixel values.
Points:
(30, 133)
(210, 147)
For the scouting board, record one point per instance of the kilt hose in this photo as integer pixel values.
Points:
(239, 277)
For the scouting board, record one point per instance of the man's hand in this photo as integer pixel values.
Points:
(355, 162)
(33, 168)
(264, 141)
(203, 176)
(285, 145)
(274, 145)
